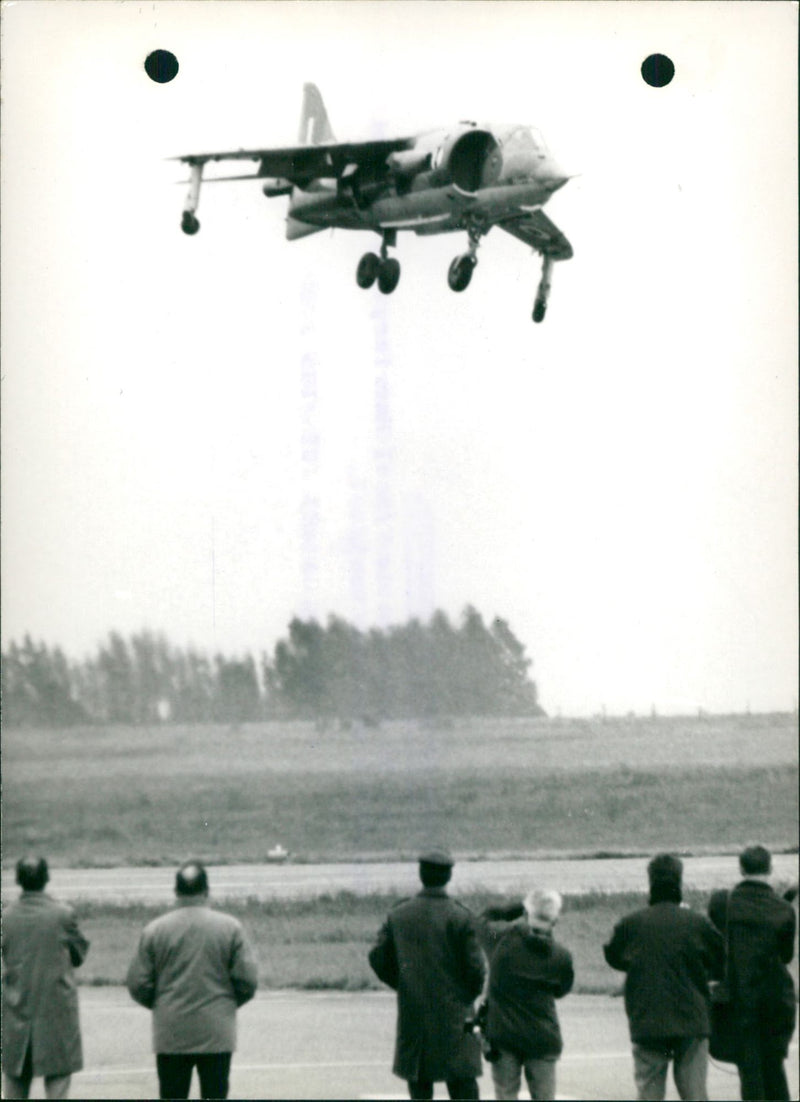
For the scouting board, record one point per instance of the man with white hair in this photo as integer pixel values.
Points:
(528, 971)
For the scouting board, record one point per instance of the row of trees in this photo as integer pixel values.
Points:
(326, 673)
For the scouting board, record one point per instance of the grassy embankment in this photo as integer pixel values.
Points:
(323, 943)
(110, 796)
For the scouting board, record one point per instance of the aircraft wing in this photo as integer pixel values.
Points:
(536, 230)
(302, 163)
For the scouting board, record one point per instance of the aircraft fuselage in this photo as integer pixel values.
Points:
(455, 177)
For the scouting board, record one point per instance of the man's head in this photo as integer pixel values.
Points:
(32, 874)
(191, 879)
(665, 873)
(755, 860)
(435, 868)
(542, 908)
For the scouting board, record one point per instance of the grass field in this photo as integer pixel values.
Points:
(322, 944)
(108, 796)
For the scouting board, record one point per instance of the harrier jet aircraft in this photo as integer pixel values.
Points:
(470, 178)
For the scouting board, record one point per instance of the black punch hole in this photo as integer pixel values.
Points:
(657, 70)
(161, 66)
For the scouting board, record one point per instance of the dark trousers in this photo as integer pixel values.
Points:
(761, 1071)
(175, 1073)
(456, 1088)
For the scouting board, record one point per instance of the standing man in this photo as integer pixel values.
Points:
(193, 968)
(528, 971)
(669, 954)
(760, 935)
(41, 946)
(428, 951)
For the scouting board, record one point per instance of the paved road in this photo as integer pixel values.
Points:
(290, 881)
(296, 1044)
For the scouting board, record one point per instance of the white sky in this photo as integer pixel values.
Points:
(209, 435)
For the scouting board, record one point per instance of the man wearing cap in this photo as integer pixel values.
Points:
(760, 933)
(668, 953)
(428, 951)
(41, 946)
(194, 966)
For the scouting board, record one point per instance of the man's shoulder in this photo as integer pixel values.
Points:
(426, 902)
(763, 897)
(31, 904)
(633, 919)
(400, 906)
(181, 917)
(657, 915)
(461, 909)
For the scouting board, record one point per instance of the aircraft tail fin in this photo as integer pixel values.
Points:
(315, 126)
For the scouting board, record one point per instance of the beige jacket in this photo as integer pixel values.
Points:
(194, 966)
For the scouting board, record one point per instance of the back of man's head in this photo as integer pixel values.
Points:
(434, 876)
(755, 860)
(191, 879)
(32, 873)
(665, 873)
(435, 868)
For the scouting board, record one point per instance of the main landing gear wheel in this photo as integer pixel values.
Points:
(189, 223)
(367, 271)
(388, 275)
(460, 272)
(539, 310)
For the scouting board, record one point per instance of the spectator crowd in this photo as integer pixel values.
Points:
(469, 987)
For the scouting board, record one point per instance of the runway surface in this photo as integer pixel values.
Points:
(339, 1045)
(296, 881)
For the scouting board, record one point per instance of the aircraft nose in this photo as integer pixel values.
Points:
(553, 175)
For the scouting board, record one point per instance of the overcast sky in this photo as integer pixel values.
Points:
(207, 436)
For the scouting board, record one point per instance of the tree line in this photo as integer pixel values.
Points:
(328, 673)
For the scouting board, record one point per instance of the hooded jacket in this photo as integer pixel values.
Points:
(528, 972)
(669, 953)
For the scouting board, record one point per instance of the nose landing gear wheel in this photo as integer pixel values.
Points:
(388, 275)
(460, 272)
(367, 271)
(189, 223)
(539, 309)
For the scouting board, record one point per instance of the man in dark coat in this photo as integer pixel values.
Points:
(41, 946)
(528, 971)
(428, 951)
(669, 954)
(760, 935)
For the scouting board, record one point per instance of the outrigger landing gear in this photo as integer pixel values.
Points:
(543, 290)
(384, 268)
(460, 271)
(189, 222)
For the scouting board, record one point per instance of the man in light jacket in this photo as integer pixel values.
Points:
(194, 966)
(428, 951)
(41, 946)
